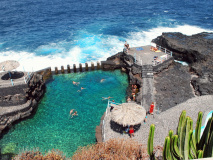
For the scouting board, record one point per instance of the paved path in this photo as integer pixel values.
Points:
(145, 58)
(164, 121)
(147, 86)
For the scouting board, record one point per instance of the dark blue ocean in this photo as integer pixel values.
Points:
(42, 33)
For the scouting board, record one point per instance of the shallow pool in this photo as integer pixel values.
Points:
(51, 126)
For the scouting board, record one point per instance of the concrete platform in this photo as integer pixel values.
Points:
(146, 55)
(7, 83)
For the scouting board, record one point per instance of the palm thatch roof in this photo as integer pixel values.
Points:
(9, 65)
(128, 114)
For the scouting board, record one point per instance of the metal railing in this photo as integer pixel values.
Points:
(164, 50)
(163, 58)
(28, 77)
(106, 117)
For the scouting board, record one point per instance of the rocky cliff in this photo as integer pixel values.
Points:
(197, 50)
(18, 102)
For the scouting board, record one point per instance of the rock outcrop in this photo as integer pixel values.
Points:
(197, 50)
(172, 86)
(126, 63)
(17, 102)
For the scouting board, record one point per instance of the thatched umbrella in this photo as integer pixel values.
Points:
(128, 114)
(8, 65)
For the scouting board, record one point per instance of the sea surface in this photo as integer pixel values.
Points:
(52, 126)
(43, 33)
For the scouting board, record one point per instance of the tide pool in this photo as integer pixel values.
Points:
(52, 126)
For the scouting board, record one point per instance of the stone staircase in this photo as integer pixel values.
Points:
(147, 71)
(147, 86)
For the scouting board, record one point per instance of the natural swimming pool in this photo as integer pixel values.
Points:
(51, 126)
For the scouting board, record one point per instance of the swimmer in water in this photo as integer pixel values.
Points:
(81, 89)
(104, 98)
(75, 83)
(71, 111)
(74, 114)
(102, 80)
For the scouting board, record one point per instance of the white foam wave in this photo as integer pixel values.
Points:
(100, 50)
(145, 37)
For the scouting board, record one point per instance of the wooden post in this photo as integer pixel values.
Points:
(98, 65)
(74, 68)
(56, 70)
(80, 67)
(86, 67)
(62, 69)
(92, 66)
(49, 71)
(68, 68)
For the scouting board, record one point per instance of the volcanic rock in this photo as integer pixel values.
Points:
(197, 50)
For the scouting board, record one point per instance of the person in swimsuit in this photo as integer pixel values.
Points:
(102, 80)
(126, 45)
(128, 99)
(75, 83)
(131, 131)
(133, 96)
(81, 89)
(74, 114)
(71, 111)
(104, 98)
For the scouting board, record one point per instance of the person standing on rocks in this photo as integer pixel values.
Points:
(128, 99)
(133, 96)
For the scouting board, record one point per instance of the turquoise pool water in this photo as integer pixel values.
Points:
(51, 126)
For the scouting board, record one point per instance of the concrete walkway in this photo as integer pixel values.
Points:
(145, 58)
(164, 121)
(145, 55)
(147, 86)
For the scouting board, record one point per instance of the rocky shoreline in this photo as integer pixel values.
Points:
(175, 83)
(197, 50)
(18, 102)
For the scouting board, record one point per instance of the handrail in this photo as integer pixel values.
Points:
(28, 77)
(164, 50)
(105, 118)
(139, 61)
